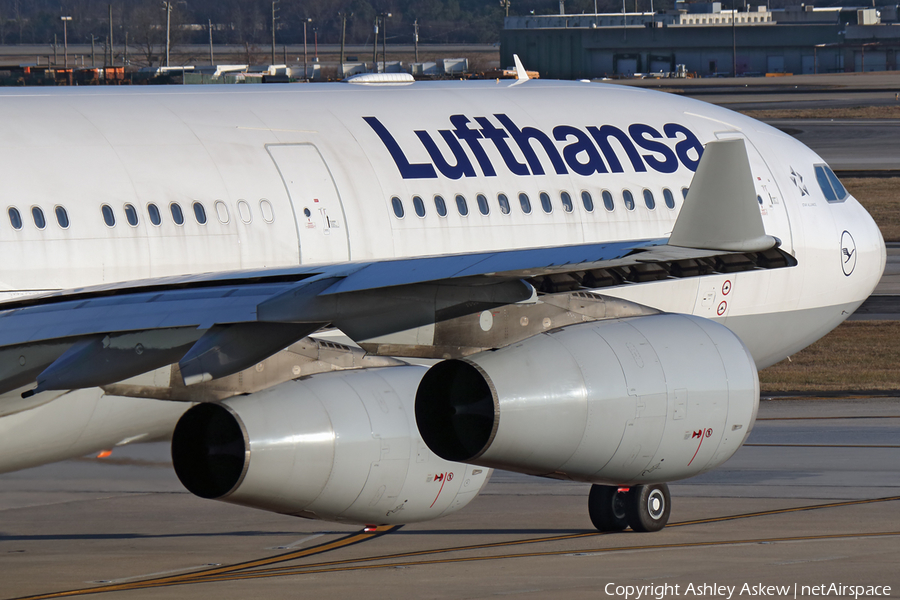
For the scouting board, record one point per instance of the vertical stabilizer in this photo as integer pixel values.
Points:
(521, 73)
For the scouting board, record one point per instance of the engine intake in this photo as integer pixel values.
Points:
(212, 450)
(627, 401)
(460, 414)
(337, 446)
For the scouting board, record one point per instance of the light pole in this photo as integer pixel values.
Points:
(168, 9)
(733, 38)
(274, 10)
(383, 16)
(65, 21)
(375, 47)
(305, 69)
(112, 44)
(343, 17)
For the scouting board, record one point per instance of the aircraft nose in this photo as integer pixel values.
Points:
(863, 252)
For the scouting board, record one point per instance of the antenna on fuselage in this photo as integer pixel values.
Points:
(521, 73)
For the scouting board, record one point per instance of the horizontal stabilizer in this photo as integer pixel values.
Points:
(721, 211)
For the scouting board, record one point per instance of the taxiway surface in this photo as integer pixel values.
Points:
(813, 498)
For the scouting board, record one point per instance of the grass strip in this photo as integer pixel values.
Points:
(858, 355)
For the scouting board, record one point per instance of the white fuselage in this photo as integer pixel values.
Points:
(288, 175)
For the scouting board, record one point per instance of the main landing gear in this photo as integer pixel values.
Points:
(643, 507)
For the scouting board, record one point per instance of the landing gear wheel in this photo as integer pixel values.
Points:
(606, 507)
(648, 507)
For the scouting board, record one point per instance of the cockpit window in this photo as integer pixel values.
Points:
(830, 185)
(836, 184)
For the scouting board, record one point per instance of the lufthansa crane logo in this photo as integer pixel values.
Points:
(848, 253)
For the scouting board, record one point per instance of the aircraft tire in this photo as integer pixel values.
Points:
(607, 508)
(647, 507)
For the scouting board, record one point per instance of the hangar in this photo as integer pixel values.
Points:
(707, 39)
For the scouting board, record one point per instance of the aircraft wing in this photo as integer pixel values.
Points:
(219, 323)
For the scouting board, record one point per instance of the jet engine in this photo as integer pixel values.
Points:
(336, 446)
(624, 402)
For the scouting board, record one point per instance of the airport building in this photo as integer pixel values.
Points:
(707, 39)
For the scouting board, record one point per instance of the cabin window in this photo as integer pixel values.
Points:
(503, 201)
(461, 205)
(153, 211)
(199, 213)
(62, 217)
(440, 206)
(525, 203)
(587, 201)
(38, 215)
(628, 198)
(759, 199)
(222, 211)
(397, 205)
(244, 211)
(109, 217)
(483, 207)
(669, 198)
(419, 206)
(608, 203)
(307, 213)
(566, 200)
(15, 219)
(649, 200)
(177, 214)
(684, 192)
(131, 215)
(545, 202)
(268, 213)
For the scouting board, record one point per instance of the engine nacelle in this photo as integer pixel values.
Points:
(626, 401)
(336, 446)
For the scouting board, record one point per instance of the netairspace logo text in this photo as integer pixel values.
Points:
(667, 590)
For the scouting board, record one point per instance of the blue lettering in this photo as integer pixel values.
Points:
(523, 138)
(586, 151)
(462, 166)
(638, 132)
(407, 170)
(498, 136)
(602, 135)
(471, 137)
(582, 143)
(690, 142)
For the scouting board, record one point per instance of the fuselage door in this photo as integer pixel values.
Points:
(771, 202)
(321, 225)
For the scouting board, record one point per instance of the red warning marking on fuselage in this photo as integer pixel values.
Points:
(726, 287)
(722, 306)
